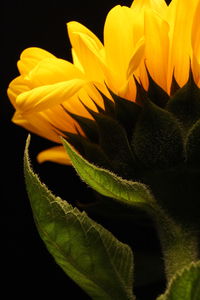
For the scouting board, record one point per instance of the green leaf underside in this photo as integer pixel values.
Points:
(87, 252)
(108, 184)
(185, 285)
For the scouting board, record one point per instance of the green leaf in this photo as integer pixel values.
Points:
(87, 252)
(108, 104)
(89, 150)
(109, 184)
(185, 285)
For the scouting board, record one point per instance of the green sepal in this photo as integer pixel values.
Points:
(87, 252)
(108, 184)
(185, 103)
(193, 145)
(155, 93)
(141, 94)
(99, 108)
(114, 143)
(185, 285)
(109, 107)
(174, 86)
(88, 126)
(157, 139)
(126, 112)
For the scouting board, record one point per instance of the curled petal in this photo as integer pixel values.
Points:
(17, 86)
(136, 58)
(30, 57)
(76, 27)
(90, 58)
(76, 61)
(53, 70)
(87, 51)
(55, 154)
(47, 96)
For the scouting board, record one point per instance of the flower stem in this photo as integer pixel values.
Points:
(179, 245)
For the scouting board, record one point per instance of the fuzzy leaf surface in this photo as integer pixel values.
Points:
(88, 253)
(185, 285)
(110, 185)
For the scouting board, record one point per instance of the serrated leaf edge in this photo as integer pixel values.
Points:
(149, 202)
(79, 215)
(178, 274)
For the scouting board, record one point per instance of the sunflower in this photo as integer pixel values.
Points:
(148, 47)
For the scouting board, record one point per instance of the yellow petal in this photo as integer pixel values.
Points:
(142, 76)
(53, 70)
(60, 119)
(128, 91)
(19, 120)
(76, 27)
(156, 47)
(196, 70)
(38, 124)
(136, 58)
(180, 15)
(17, 86)
(119, 41)
(196, 45)
(196, 33)
(30, 58)
(76, 61)
(47, 96)
(55, 154)
(88, 95)
(87, 49)
(157, 5)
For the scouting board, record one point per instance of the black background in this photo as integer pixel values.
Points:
(29, 270)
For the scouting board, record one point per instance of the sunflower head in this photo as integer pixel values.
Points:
(131, 103)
